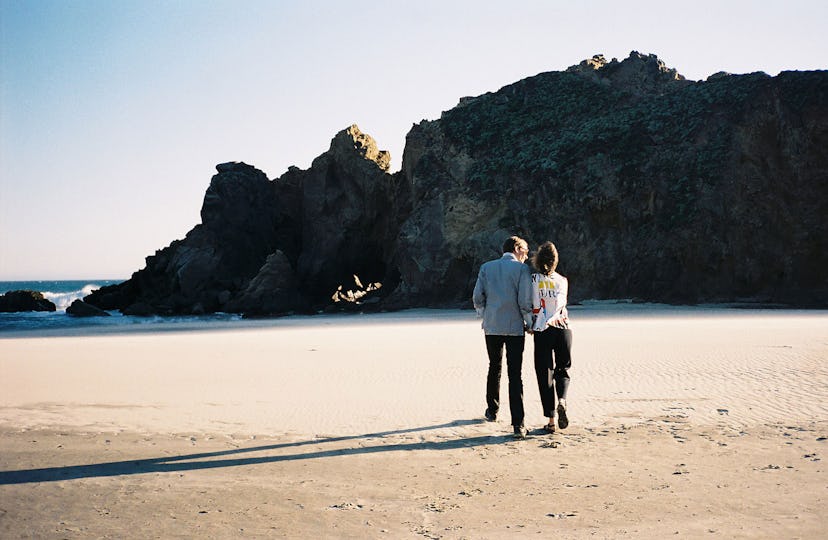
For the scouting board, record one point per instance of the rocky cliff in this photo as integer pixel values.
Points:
(268, 247)
(652, 186)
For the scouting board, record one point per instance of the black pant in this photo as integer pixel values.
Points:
(514, 364)
(552, 360)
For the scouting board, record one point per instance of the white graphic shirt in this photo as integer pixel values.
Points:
(549, 301)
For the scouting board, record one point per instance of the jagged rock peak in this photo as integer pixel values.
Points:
(651, 62)
(354, 139)
(638, 73)
(595, 63)
(238, 167)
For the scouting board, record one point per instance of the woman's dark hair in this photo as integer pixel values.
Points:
(546, 259)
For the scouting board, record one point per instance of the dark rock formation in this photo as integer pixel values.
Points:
(79, 308)
(14, 301)
(240, 227)
(268, 247)
(652, 186)
(671, 191)
(348, 218)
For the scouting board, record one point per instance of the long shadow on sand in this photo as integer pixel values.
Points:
(195, 462)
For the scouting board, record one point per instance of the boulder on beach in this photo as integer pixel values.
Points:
(79, 308)
(25, 300)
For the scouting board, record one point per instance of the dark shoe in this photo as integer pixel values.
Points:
(490, 416)
(548, 429)
(563, 421)
(520, 432)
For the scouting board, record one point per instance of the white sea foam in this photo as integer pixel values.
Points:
(64, 299)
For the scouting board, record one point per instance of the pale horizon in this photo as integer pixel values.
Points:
(113, 115)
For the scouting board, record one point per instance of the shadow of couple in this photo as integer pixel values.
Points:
(230, 458)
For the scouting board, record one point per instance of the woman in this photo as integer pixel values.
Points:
(553, 339)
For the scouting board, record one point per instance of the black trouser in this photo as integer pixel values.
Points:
(514, 364)
(552, 360)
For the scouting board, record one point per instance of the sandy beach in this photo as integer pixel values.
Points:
(685, 422)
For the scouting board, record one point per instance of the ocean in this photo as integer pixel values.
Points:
(62, 294)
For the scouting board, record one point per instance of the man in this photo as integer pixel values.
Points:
(503, 296)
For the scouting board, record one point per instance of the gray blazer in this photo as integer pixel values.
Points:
(503, 296)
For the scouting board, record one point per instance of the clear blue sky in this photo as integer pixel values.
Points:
(113, 113)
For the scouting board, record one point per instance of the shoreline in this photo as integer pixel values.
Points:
(591, 309)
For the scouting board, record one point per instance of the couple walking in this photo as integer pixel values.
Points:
(513, 301)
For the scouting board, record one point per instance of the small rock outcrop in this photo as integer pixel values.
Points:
(79, 308)
(272, 291)
(25, 300)
(639, 74)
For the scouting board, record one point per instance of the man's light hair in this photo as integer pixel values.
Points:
(512, 242)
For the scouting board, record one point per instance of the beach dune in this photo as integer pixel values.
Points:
(683, 420)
